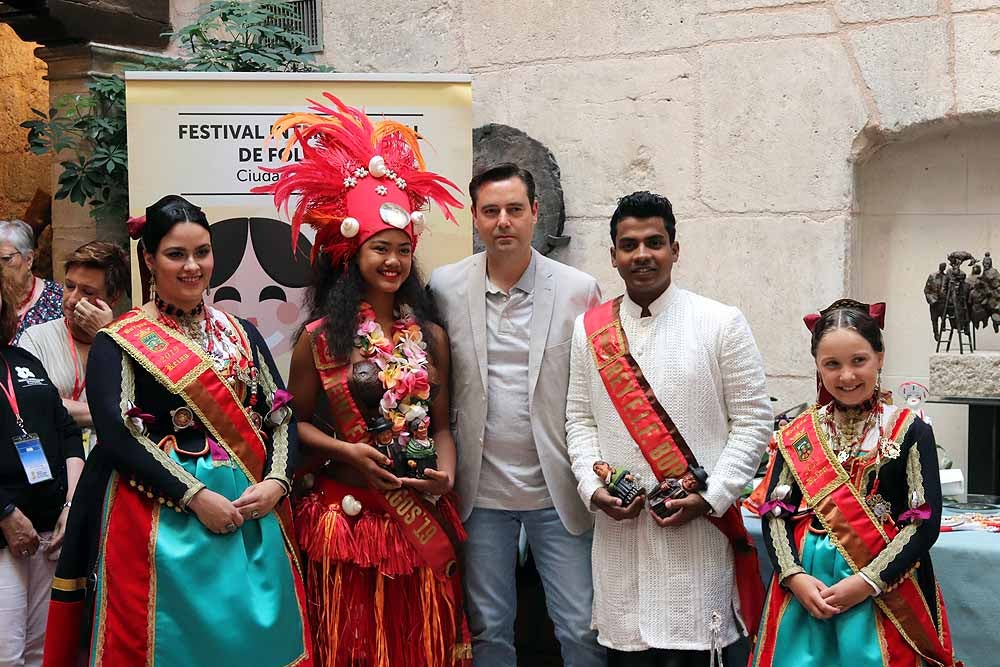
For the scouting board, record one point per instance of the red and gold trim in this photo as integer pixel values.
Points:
(856, 533)
(665, 449)
(122, 634)
(187, 371)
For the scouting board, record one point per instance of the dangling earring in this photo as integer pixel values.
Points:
(822, 395)
(877, 396)
(152, 286)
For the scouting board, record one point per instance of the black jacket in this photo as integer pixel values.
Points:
(43, 413)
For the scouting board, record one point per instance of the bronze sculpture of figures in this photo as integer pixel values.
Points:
(963, 304)
(934, 291)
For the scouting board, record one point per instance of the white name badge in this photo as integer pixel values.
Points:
(33, 460)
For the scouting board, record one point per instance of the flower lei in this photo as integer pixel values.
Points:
(402, 362)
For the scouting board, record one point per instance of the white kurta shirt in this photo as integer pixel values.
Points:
(658, 587)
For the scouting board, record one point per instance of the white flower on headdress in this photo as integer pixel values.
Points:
(360, 172)
(350, 182)
(381, 190)
(391, 175)
(400, 183)
(350, 227)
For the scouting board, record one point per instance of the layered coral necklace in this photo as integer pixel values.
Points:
(402, 361)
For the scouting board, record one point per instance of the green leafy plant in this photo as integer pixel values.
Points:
(229, 36)
(92, 126)
(235, 36)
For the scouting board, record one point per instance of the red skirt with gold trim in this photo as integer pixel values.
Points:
(372, 602)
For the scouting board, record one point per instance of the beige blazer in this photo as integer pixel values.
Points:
(561, 294)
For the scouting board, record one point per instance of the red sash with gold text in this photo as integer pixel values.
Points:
(858, 535)
(187, 371)
(412, 513)
(662, 444)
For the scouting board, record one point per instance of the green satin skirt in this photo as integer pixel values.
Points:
(849, 639)
(223, 599)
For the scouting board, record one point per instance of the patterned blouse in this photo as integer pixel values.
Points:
(47, 308)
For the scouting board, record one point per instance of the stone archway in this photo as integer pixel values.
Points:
(918, 198)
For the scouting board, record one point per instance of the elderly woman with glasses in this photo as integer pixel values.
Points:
(37, 300)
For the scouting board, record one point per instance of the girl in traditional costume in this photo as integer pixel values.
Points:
(852, 507)
(180, 547)
(379, 542)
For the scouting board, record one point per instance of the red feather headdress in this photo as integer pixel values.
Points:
(356, 178)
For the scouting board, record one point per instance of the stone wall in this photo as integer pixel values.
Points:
(21, 172)
(751, 115)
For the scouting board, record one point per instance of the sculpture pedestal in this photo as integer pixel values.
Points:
(973, 380)
(976, 374)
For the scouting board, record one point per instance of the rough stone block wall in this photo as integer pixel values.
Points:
(753, 116)
(21, 172)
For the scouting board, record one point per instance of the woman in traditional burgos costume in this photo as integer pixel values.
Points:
(382, 583)
(853, 505)
(179, 549)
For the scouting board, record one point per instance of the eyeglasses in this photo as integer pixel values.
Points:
(9, 259)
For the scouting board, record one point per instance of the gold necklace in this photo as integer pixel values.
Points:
(849, 436)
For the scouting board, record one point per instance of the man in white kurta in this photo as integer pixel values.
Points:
(665, 590)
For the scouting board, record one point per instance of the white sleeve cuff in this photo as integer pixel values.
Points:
(878, 591)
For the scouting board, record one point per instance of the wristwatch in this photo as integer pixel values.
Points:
(7, 510)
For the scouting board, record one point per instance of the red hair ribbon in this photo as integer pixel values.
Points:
(875, 310)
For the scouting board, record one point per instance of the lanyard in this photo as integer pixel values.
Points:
(8, 391)
(79, 383)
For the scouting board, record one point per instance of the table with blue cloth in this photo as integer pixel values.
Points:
(967, 566)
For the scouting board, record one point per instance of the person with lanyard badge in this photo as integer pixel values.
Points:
(371, 369)
(41, 458)
(179, 547)
(852, 508)
(37, 300)
(96, 276)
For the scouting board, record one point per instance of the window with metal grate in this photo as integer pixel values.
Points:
(305, 16)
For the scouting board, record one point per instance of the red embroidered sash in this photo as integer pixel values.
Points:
(411, 512)
(855, 531)
(187, 371)
(662, 444)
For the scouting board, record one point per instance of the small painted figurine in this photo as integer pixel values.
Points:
(420, 453)
(620, 483)
(385, 440)
(673, 488)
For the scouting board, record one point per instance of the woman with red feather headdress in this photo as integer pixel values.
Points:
(379, 543)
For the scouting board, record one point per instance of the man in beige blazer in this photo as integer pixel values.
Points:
(509, 313)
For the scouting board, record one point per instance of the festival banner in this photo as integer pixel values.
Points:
(202, 135)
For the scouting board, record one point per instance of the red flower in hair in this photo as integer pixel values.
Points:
(135, 227)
